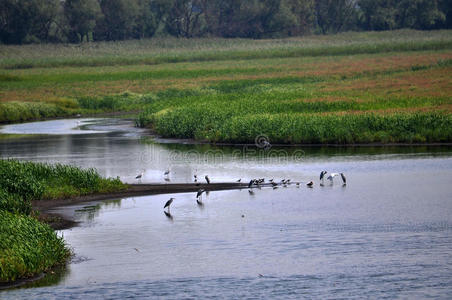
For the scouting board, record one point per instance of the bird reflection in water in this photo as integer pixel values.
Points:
(168, 215)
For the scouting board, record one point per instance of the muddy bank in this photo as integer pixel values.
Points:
(62, 222)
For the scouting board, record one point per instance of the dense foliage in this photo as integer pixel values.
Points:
(27, 247)
(83, 20)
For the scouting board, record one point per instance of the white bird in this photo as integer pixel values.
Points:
(332, 175)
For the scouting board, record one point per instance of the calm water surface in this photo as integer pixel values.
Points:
(386, 234)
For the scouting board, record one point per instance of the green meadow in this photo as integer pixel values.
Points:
(369, 87)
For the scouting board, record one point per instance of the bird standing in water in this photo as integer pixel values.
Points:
(207, 179)
(168, 203)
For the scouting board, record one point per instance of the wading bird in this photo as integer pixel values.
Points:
(331, 177)
(199, 194)
(207, 179)
(251, 183)
(166, 172)
(310, 184)
(168, 203)
(322, 175)
(239, 180)
(195, 178)
(344, 180)
(139, 176)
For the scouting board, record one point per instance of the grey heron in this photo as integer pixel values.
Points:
(239, 180)
(322, 175)
(344, 180)
(207, 179)
(168, 203)
(251, 183)
(166, 172)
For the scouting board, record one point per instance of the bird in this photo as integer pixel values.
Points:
(331, 177)
(199, 194)
(251, 183)
(139, 175)
(344, 180)
(310, 184)
(166, 172)
(298, 184)
(239, 180)
(168, 203)
(195, 177)
(271, 180)
(207, 179)
(322, 174)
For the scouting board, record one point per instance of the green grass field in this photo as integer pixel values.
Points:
(347, 88)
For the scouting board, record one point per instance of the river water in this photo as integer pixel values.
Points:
(386, 234)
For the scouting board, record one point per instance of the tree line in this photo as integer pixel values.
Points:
(75, 21)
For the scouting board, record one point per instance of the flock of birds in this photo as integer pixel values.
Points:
(253, 183)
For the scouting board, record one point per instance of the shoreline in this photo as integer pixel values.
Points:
(60, 222)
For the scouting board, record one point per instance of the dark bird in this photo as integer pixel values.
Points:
(310, 184)
(139, 175)
(195, 177)
(166, 172)
(251, 183)
(343, 178)
(168, 203)
(200, 193)
(322, 174)
(239, 180)
(274, 183)
(207, 179)
(271, 180)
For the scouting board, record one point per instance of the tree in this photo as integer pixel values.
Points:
(418, 14)
(81, 16)
(378, 14)
(21, 19)
(119, 20)
(185, 19)
(335, 15)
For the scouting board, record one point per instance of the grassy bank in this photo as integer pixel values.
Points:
(347, 88)
(28, 247)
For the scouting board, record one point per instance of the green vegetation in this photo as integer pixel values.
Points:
(367, 87)
(28, 247)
